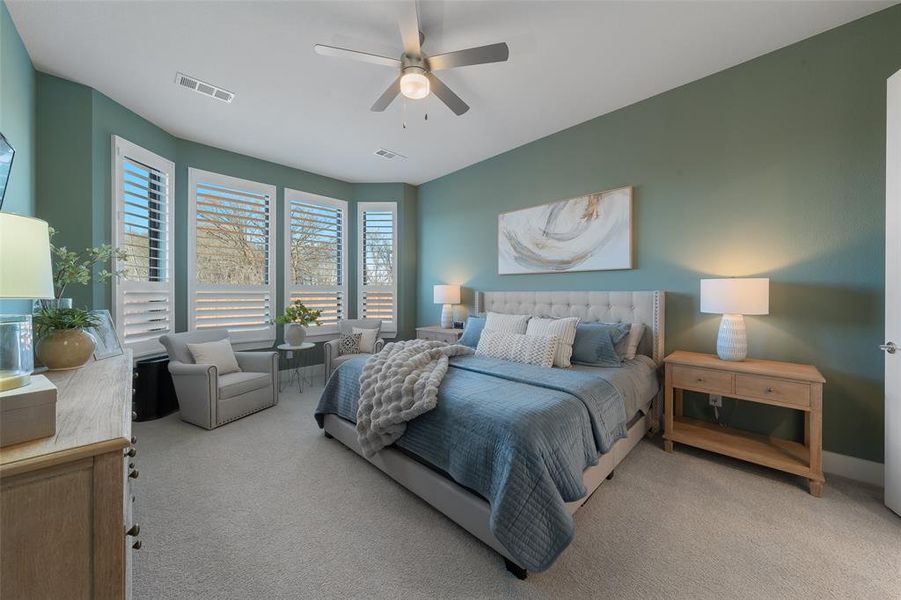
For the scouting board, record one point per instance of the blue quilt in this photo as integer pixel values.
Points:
(518, 435)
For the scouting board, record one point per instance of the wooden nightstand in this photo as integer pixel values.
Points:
(441, 334)
(768, 382)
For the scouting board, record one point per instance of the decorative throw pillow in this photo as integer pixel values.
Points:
(472, 332)
(349, 343)
(517, 347)
(564, 329)
(219, 354)
(628, 346)
(506, 323)
(595, 344)
(367, 338)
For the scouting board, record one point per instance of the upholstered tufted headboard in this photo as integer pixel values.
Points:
(602, 307)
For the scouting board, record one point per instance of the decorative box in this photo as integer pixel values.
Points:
(28, 412)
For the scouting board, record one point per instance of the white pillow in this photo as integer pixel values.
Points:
(367, 338)
(517, 347)
(219, 354)
(506, 323)
(628, 346)
(564, 329)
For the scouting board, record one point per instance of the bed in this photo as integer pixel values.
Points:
(512, 451)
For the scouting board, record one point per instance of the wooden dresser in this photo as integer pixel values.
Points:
(66, 500)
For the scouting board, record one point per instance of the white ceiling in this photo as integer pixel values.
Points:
(569, 62)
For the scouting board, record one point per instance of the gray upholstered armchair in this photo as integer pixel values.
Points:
(330, 348)
(208, 399)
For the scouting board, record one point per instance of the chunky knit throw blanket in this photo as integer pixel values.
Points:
(397, 385)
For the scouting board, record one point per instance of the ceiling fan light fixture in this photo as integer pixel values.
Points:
(414, 84)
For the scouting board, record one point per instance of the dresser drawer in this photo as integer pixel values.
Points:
(777, 391)
(702, 380)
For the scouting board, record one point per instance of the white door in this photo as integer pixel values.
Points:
(892, 346)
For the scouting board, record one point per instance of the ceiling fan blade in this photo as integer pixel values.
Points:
(387, 97)
(471, 56)
(356, 55)
(408, 21)
(446, 95)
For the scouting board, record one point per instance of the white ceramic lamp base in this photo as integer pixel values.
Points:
(447, 316)
(732, 341)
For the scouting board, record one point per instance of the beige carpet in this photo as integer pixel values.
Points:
(266, 507)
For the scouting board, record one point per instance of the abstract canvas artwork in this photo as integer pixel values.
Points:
(587, 233)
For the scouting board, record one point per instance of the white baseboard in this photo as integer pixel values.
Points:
(858, 469)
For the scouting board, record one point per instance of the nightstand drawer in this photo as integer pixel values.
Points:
(703, 380)
(772, 390)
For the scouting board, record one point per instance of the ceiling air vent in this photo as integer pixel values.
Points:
(202, 87)
(388, 154)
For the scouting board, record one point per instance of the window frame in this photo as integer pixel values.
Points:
(253, 339)
(122, 148)
(362, 207)
(326, 331)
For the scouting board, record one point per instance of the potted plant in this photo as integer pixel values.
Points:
(296, 318)
(78, 267)
(63, 342)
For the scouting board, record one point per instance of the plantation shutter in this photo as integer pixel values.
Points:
(315, 256)
(144, 293)
(378, 260)
(232, 268)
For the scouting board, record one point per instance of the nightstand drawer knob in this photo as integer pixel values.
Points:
(700, 380)
(770, 390)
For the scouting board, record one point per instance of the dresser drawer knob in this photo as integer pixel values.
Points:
(136, 545)
(770, 390)
(134, 530)
(134, 474)
(700, 380)
(131, 452)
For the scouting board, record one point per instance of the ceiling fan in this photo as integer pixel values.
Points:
(416, 79)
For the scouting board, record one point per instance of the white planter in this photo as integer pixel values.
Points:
(295, 334)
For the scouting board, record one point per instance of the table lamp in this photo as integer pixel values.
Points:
(447, 295)
(25, 273)
(734, 298)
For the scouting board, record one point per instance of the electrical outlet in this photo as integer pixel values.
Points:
(290, 354)
(716, 400)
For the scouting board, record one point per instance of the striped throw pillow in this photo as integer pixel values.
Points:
(517, 347)
(506, 323)
(564, 329)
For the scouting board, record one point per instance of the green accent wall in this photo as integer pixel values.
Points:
(17, 123)
(74, 182)
(17, 115)
(773, 168)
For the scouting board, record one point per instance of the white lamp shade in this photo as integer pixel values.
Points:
(738, 296)
(25, 270)
(447, 294)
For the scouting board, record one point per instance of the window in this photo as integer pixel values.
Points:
(144, 294)
(315, 262)
(377, 225)
(231, 268)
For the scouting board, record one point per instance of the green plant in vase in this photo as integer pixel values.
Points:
(78, 267)
(296, 319)
(63, 342)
